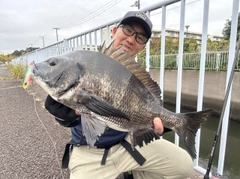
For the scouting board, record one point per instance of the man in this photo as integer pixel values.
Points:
(110, 156)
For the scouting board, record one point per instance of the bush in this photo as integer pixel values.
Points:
(170, 62)
(17, 70)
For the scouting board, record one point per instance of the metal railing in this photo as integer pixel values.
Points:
(92, 38)
(217, 61)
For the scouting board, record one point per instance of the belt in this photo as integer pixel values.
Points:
(68, 149)
(134, 153)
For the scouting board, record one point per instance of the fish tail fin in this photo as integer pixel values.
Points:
(187, 133)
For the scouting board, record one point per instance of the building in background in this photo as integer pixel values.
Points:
(107, 37)
(195, 35)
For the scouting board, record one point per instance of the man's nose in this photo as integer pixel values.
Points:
(131, 39)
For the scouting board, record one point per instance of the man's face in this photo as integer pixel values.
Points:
(129, 42)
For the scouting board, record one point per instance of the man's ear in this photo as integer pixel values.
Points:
(114, 30)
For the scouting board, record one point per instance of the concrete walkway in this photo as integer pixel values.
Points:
(32, 143)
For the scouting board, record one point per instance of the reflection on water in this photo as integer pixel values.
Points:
(232, 158)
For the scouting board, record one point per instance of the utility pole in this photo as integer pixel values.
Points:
(56, 32)
(43, 40)
(187, 26)
(136, 4)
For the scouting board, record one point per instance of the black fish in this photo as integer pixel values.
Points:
(110, 89)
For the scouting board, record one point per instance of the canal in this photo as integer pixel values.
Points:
(232, 158)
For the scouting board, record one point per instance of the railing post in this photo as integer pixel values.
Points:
(65, 45)
(147, 50)
(177, 60)
(101, 36)
(81, 42)
(77, 42)
(85, 41)
(233, 38)
(202, 73)
(90, 40)
(162, 55)
(95, 38)
(217, 61)
(180, 59)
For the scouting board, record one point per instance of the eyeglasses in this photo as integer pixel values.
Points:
(130, 31)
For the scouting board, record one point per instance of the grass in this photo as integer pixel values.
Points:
(4, 78)
(17, 70)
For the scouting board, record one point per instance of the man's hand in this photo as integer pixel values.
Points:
(78, 113)
(158, 126)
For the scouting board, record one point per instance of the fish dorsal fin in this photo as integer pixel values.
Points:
(129, 62)
(103, 47)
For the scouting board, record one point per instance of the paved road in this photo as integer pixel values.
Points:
(32, 143)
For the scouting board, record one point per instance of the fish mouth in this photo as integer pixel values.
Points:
(57, 84)
(36, 70)
(69, 88)
(64, 89)
(73, 83)
(57, 79)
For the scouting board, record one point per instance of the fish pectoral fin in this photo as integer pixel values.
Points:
(99, 106)
(103, 108)
(146, 135)
(92, 128)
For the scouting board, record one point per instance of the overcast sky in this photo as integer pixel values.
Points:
(22, 22)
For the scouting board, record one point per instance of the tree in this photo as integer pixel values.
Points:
(222, 45)
(6, 57)
(227, 29)
(17, 53)
(171, 45)
(190, 45)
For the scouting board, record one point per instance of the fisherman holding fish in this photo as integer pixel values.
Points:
(112, 154)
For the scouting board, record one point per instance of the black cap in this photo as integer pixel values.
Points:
(139, 17)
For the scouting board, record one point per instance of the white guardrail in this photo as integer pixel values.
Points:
(92, 38)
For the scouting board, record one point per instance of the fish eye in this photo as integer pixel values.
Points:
(52, 63)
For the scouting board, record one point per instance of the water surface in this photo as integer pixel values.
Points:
(232, 158)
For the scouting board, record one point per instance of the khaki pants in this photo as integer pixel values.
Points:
(164, 160)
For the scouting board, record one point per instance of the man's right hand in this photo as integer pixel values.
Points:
(77, 113)
(64, 115)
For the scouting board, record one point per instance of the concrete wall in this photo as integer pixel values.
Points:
(214, 89)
